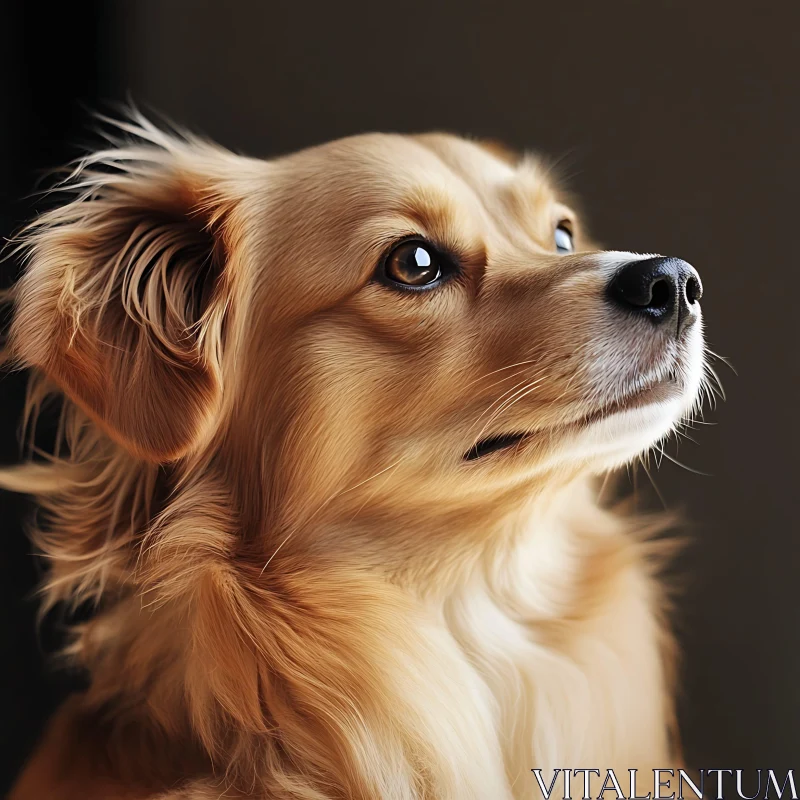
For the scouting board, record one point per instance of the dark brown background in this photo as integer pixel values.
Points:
(678, 122)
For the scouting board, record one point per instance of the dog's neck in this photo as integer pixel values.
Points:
(435, 550)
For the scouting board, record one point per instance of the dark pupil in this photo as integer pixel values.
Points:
(412, 264)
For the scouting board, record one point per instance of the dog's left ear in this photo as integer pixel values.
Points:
(126, 289)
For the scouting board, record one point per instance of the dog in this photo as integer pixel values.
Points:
(333, 433)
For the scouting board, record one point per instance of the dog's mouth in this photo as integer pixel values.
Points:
(492, 444)
(657, 390)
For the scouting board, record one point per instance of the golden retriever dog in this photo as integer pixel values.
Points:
(331, 436)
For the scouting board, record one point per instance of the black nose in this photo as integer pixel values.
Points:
(662, 289)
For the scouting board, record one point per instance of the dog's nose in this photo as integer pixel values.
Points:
(661, 289)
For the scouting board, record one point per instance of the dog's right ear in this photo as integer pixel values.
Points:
(127, 286)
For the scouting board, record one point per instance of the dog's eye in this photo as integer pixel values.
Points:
(563, 238)
(413, 263)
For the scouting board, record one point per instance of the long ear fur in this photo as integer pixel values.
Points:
(125, 290)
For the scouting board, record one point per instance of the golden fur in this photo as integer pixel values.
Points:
(303, 589)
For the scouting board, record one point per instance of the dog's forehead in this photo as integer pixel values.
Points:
(472, 161)
(455, 186)
(395, 163)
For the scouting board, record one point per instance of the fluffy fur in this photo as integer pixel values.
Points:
(303, 589)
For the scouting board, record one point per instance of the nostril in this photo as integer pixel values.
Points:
(658, 288)
(694, 291)
(660, 294)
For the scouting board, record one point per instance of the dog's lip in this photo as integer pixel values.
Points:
(660, 389)
(493, 444)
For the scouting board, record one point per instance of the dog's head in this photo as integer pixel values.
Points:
(413, 319)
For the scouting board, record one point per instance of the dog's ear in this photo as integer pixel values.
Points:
(126, 288)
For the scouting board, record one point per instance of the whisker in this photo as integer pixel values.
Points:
(723, 359)
(679, 464)
(496, 401)
(501, 369)
(377, 488)
(507, 377)
(509, 403)
(520, 395)
(367, 480)
(603, 486)
(653, 483)
(500, 400)
(716, 377)
(324, 505)
(706, 392)
(277, 550)
(684, 435)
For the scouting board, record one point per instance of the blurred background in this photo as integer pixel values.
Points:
(676, 122)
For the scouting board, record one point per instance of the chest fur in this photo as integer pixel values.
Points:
(566, 638)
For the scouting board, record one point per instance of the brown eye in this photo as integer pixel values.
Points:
(413, 263)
